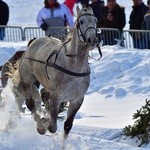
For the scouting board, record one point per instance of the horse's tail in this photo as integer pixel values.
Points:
(8, 71)
(9, 68)
(13, 72)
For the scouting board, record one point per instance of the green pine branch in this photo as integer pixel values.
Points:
(141, 127)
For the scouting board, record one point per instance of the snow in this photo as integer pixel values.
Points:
(120, 84)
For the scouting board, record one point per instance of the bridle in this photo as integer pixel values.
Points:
(81, 36)
(79, 31)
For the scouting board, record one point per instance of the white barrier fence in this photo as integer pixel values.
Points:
(128, 38)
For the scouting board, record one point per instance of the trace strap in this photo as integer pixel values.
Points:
(61, 68)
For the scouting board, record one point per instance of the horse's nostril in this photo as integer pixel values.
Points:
(89, 40)
(92, 40)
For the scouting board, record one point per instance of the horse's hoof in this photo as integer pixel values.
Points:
(52, 129)
(41, 131)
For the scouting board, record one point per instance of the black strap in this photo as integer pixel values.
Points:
(61, 68)
(99, 50)
(67, 71)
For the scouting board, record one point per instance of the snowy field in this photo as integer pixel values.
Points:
(120, 83)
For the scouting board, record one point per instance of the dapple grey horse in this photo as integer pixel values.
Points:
(62, 69)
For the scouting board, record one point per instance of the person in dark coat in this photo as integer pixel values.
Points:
(136, 19)
(84, 3)
(113, 16)
(97, 6)
(4, 17)
(146, 25)
(146, 20)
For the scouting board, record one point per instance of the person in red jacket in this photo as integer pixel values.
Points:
(70, 4)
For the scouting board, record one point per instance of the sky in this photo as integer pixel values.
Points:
(120, 84)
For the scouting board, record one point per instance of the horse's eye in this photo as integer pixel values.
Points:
(81, 22)
(90, 20)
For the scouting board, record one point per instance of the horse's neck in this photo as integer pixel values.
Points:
(76, 47)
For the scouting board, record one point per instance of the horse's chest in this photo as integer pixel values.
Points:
(72, 86)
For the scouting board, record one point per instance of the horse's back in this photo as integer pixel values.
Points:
(32, 65)
(42, 47)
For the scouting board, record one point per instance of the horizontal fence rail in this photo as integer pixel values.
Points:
(137, 39)
(110, 36)
(127, 38)
(12, 33)
(32, 32)
(36, 32)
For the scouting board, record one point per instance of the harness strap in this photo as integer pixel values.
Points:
(55, 52)
(61, 68)
(99, 50)
(67, 71)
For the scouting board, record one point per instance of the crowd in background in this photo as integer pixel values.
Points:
(112, 15)
(109, 15)
(4, 17)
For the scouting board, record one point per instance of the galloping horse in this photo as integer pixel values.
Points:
(62, 69)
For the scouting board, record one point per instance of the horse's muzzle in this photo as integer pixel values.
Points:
(92, 41)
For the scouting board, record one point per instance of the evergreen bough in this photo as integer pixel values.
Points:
(141, 127)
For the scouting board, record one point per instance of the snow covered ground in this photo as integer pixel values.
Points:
(120, 83)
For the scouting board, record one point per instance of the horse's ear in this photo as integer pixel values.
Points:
(90, 9)
(78, 10)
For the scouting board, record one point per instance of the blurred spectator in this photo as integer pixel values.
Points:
(84, 3)
(70, 4)
(113, 16)
(4, 17)
(97, 6)
(136, 19)
(54, 14)
(146, 25)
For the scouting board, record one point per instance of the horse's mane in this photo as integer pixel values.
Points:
(85, 9)
(69, 35)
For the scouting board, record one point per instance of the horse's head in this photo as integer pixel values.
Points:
(87, 27)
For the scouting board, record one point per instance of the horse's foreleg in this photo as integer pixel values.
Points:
(45, 96)
(72, 110)
(30, 92)
(31, 106)
(54, 109)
